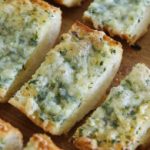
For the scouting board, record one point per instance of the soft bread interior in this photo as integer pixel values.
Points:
(49, 34)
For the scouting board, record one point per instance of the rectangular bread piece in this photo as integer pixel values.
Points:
(69, 3)
(128, 19)
(71, 81)
(10, 137)
(123, 120)
(41, 142)
(28, 28)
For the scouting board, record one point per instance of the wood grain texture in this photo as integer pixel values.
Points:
(131, 56)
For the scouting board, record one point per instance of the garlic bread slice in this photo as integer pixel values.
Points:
(71, 81)
(123, 120)
(128, 19)
(28, 28)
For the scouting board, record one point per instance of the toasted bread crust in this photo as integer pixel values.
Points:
(86, 144)
(5, 127)
(46, 5)
(108, 30)
(85, 30)
(40, 3)
(42, 142)
(83, 143)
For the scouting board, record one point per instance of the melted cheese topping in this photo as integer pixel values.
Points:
(122, 16)
(124, 118)
(20, 26)
(68, 74)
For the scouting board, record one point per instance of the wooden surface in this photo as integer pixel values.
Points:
(131, 56)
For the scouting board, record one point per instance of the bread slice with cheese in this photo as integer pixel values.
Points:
(71, 81)
(28, 28)
(10, 137)
(41, 142)
(128, 19)
(69, 3)
(123, 120)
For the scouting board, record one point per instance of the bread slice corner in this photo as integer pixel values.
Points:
(40, 141)
(10, 137)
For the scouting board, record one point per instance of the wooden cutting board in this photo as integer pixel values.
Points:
(131, 56)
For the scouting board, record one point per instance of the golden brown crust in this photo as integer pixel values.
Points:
(85, 30)
(108, 30)
(40, 3)
(84, 143)
(6, 127)
(43, 142)
(46, 5)
(79, 26)
(114, 33)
